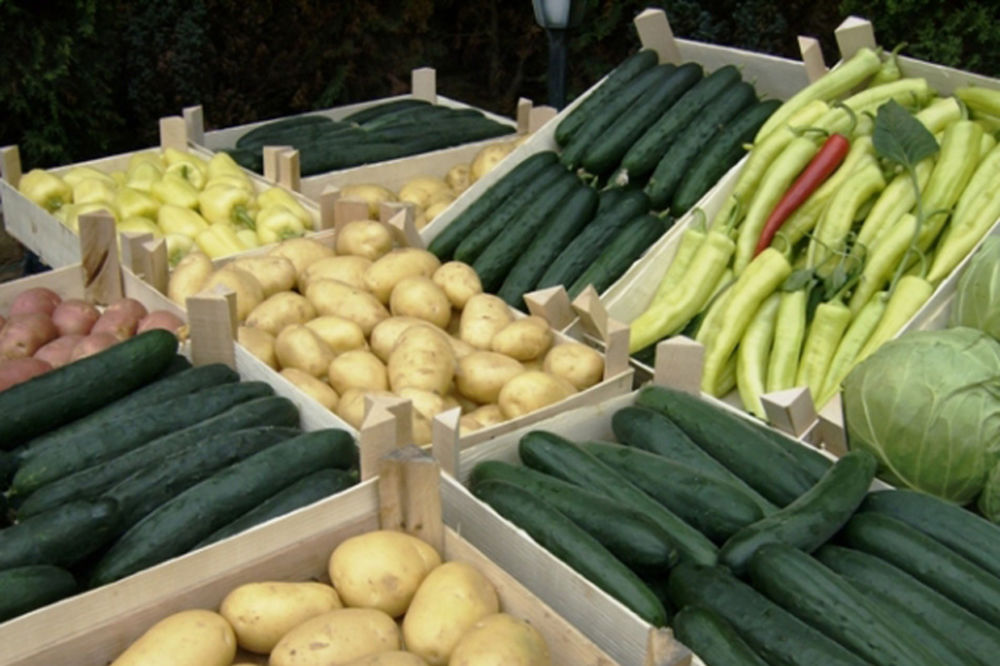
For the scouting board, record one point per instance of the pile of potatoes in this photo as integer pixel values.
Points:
(42, 331)
(366, 317)
(391, 601)
(430, 195)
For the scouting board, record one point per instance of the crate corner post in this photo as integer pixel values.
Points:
(679, 362)
(194, 119)
(212, 323)
(423, 84)
(102, 274)
(10, 165)
(409, 489)
(174, 133)
(655, 33)
(853, 34)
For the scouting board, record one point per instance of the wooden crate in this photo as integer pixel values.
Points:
(791, 410)
(93, 628)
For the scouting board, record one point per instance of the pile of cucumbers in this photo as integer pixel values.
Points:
(187, 456)
(640, 151)
(756, 549)
(377, 133)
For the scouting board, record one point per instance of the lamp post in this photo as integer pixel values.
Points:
(557, 17)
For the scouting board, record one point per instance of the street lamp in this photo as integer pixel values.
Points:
(557, 17)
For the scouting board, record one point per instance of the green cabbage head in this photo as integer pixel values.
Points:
(977, 295)
(927, 405)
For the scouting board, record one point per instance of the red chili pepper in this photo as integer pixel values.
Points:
(825, 162)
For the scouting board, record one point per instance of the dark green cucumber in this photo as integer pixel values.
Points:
(611, 111)
(138, 426)
(105, 419)
(153, 485)
(297, 137)
(646, 152)
(606, 151)
(713, 639)
(312, 488)
(941, 624)
(177, 526)
(630, 244)
(59, 396)
(775, 634)
(630, 536)
(177, 365)
(649, 430)
(715, 508)
(502, 253)
(8, 467)
(90, 483)
(813, 518)
(62, 536)
(720, 154)
(506, 213)
(730, 439)
(446, 129)
(428, 117)
(248, 158)
(571, 544)
(444, 244)
(260, 133)
(376, 110)
(588, 244)
(618, 77)
(553, 455)
(562, 225)
(323, 157)
(684, 150)
(970, 535)
(926, 559)
(33, 586)
(820, 597)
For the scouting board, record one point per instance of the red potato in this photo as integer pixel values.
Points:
(3, 322)
(59, 352)
(92, 344)
(24, 334)
(36, 299)
(75, 316)
(120, 323)
(160, 319)
(20, 370)
(130, 305)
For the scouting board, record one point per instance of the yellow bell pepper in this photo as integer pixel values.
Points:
(178, 245)
(140, 224)
(148, 157)
(76, 174)
(180, 220)
(222, 204)
(93, 189)
(143, 176)
(222, 164)
(276, 224)
(45, 189)
(119, 177)
(231, 180)
(174, 190)
(73, 217)
(248, 237)
(281, 197)
(136, 203)
(219, 240)
(190, 167)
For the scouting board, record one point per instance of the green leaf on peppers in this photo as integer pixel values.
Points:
(900, 137)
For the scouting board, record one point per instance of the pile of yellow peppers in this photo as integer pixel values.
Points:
(175, 195)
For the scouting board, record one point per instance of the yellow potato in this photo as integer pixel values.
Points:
(397, 264)
(274, 273)
(467, 424)
(341, 334)
(301, 252)
(455, 323)
(501, 640)
(346, 268)
(422, 432)
(466, 404)
(336, 637)
(386, 333)
(449, 601)
(371, 193)
(487, 159)
(580, 365)
(249, 293)
(261, 613)
(426, 403)
(393, 658)
(459, 282)
(351, 406)
(524, 339)
(482, 317)
(283, 309)
(364, 238)
(381, 569)
(488, 415)
(436, 209)
(530, 391)
(422, 190)
(357, 369)
(189, 276)
(460, 348)
(332, 297)
(458, 177)
(418, 296)
(481, 375)
(298, 347)
(316, 389)
(259, 343)
(187, 638)
(422, 358)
